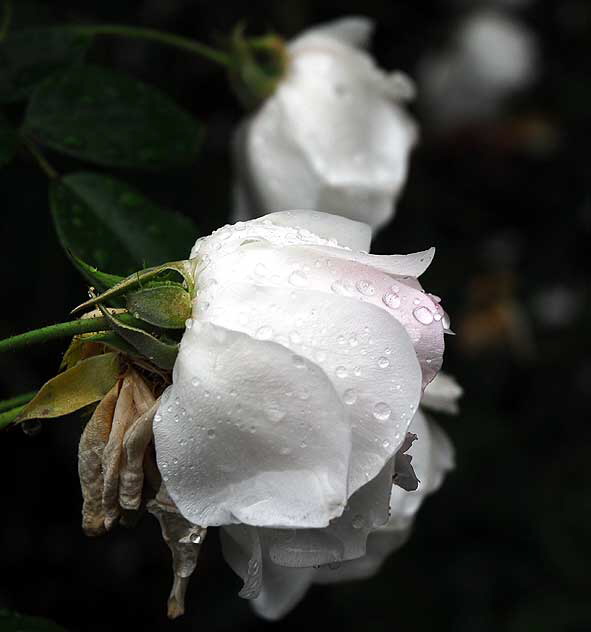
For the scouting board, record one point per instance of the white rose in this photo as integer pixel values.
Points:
(333, 136)
(492, 56)
(301, 372)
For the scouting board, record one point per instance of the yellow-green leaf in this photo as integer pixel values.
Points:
(85, 383)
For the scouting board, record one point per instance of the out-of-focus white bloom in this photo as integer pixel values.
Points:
(492, 57)
(333, 137)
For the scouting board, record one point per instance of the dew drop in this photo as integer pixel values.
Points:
(366, 288)
(341, 372)
(423, 315)
(195, 381)
(350, 396)
(381, 411)
(445, 321)
(195, 538)
(211, 433)
(188, 323)
(383, 363)
(391, 300)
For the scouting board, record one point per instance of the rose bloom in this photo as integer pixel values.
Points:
(491, 58)
(297, 382)
(333, 136)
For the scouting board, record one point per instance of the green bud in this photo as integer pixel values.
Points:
(257, 66)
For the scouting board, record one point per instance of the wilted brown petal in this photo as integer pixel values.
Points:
(184, 540)
(90, 454)
(136, 442)
(125, 413)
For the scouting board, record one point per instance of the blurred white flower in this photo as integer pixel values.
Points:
(333, 137)
(492, 57)
(299, 375)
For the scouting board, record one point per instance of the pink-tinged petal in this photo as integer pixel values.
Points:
(258, 263)
(366, 354)
(248, 432)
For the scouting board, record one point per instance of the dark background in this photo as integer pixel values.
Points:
(505, 543)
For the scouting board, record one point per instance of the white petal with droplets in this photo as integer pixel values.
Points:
(251, 433)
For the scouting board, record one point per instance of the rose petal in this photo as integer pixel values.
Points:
(442, 394)
(242, 551)
(353, 30)
(232, 439)
(345, 537)
(346, 338)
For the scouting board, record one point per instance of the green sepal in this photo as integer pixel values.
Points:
(163, 354)
(166, 305)
(100, 280)
(257, 66)
(185, 268)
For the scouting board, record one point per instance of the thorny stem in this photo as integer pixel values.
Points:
(63, 330)
(169, 39)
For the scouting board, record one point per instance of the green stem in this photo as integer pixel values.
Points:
(47, 169)
(184, 43)
(6, 19)
(19, 400)
(9, 416)
(63, 330)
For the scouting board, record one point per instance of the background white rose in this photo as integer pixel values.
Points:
(333, 137)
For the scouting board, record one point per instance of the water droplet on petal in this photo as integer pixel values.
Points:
(383, 363)
(341, 372)
(195, 538)
(381, 411)
(445, 321)
(358, 521)
(366, 288)
(299, 362)
(211, 433)
(423, 315)
(391, 300)
(350, 396)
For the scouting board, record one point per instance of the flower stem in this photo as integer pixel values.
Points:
(63, 330)
(15, 402)
(9, 416)
(169, 39)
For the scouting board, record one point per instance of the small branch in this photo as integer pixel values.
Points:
(63, 330)
(14, 402)
(169, 39)
(47, 169)
(9, 416)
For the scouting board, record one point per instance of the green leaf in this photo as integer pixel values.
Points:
(83, 384)
(14, 622)
(111, 119)
(8, 142)
(163, 305)
(108, 224)
(29, 56)
(100, 280)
